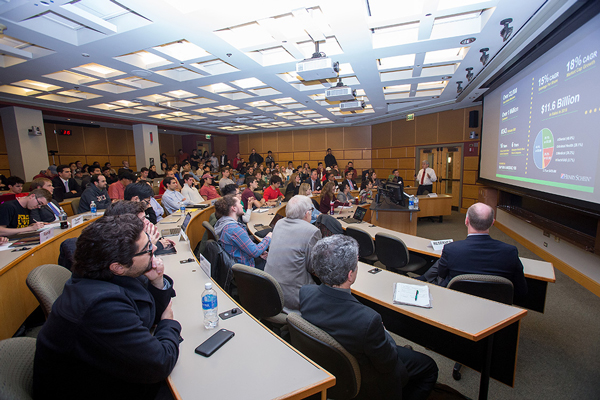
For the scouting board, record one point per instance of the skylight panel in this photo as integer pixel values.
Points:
(205, 110)
(221, 114)
(227, 107)
(217, 88)
(284, 100)
(241, 112)
(182, 50)
(236, 95)
(268, 91)
(249, 35)
(18, 90)
(179, 74)
(98, 70)
(58, 98)
(446, 55)
(271, 56)
(432, 85)
(383, 9)
(79, 94)
(396, 75)
(155, 98)
(446, 4)
(289, 77)
(105, 106)
(396, 88)
(138, 82)
(202, 100)
(214, 67)
(396, 62)
(28, 83)
(130, 111)
(70, 77)
(126, 103)
(259, 103)
(248, 83)
(143, 59)
(112, 87)
(330, 47)
(459, 24)
(395, 35)
(439, 70)
(179, 94)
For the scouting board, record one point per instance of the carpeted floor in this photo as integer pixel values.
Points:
(559, 351)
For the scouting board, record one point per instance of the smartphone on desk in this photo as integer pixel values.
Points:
(214, 343)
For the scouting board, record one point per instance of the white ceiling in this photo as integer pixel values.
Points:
(229, 66)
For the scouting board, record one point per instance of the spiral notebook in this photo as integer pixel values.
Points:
(412, 295)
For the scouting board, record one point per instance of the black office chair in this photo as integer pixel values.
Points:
(320, 347)
(489, 287)
(210, 230)
(260, 294)
(366, 247)
(393, 253)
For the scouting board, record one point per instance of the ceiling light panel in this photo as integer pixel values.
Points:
(178, 119)
(138, 82)
(293, 106)
(248, 83)
(205, 110)
(395, 35)
(8, 61)
(177, 103)
(18, 90)
(268, 91)
(179, 94)
(396, 75)
(227, 107)
(460, 24)
(236, 95)
(439, 70)
(330, 47)
(446, 55)
(70, 77)
(202, 100)
(126, 103)
(182, 50)
(217, 88)
(46, 87)
(179, 74)
(271, 56)
(396, 62)
(10, 46)
(396, 88)
(155, 98)
(284, 100)
(382, 9)
(149, 108)
(250, 35)
(105, 106)
(432, 85)
(143, 59)
(112, 87)
(79, 94)
(214, 67)
(131, 111)
(99, 70)
(58, 98)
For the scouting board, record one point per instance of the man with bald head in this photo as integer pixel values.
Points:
(478, 254)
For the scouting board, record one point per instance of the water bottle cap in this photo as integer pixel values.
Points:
(208, 285)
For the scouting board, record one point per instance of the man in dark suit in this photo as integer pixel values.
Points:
(351, 182)
(223, 159)
(255, 158)
(65, 187)
(387, 371)
(478, 254)
(314, 181)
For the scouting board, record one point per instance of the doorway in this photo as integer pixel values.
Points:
(446, 161)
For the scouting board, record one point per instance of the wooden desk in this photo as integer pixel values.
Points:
(254, 364)
(537, 273)
(479, 333)
(435, 206)
(401, 220)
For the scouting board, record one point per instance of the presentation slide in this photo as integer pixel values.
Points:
(541, 128)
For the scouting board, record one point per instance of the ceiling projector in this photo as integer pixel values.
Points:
(340, 93)
(317, 68)
(356, 105)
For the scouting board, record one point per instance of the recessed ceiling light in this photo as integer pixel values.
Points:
(467, 40)
(428, 15)
(85, 54)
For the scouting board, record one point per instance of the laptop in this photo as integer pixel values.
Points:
(358, 216)
(271, 226)
(200, 206)
(175, 231)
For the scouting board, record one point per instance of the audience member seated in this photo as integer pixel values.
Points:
(248, 197)
(294, 186)
(169, 174)
(396, 178)
(97, 342)
(15, 185)
(350, 168)
(208, 191)
(186, 168)
(142, 192)
(289, 254)
(110, 178)
(350, 181)
(124, 168)
(366, 189)
(93, 170)
(478, 254)
(172, 199)
(344, 195)
(260, 180)
(65, 187)
(95, 192)
(51, 211)
(388, 371)
(225, 179)
(117, 189)
(152, 174)
(189, 190)
(233, 235)
(15, 214)
(234, 190)
(328, 196)
(272, 194)
(49, 173)
(314, 182)
(144, 173)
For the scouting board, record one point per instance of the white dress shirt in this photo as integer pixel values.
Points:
(192, 194)
(171, 199)
(426, 180)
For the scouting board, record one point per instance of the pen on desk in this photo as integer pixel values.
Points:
(416, 295)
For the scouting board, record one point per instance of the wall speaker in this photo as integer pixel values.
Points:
(473, 119)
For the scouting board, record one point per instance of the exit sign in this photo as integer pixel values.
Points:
(410, 117)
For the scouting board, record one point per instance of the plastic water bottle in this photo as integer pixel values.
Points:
(93, 208)
(331, 207)
(63, 219)
(416, 205)
(411, 203)
(182, 207)
(209, 306)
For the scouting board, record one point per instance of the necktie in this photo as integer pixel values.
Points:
(54, 209)
(67, 187)
(423, 176)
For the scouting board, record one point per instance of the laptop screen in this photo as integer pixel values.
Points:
(359, 214)
(275, 219)
(186, 221)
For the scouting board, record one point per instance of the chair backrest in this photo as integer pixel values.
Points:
(221, 264)
(391, 251)
(75, 205)
(366, 247)
(16, 368)
(323, 349)
(260, 294)
(46, 282)
(210, 230)
(491, 287)
(328, 225)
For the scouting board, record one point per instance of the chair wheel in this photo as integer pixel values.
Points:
(456, 375)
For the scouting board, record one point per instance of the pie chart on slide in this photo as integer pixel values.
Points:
(543, 148)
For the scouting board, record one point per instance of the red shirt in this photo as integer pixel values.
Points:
(209, 192)
(116, 191)
(271, 193)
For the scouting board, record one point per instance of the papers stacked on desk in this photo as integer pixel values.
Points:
(412, 295)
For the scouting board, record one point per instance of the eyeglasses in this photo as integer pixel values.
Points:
(149, 250)
(40, 205)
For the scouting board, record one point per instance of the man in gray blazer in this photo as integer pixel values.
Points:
(289, 253)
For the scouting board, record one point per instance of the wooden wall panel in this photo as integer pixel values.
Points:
(73, 144)
(255, 141)
(352, 155)
(95, 141)
(335, 139)
(3, 142)
(317, 139)
(384, 153)
(471, 163)
(471, 191)
(220, 143)
(381, 135)
(102, 159)
(301, 156)
(244, 145)
(177, 143)
(403, 132)
(117, 144)
(285, 141)
(4, 162)
(301, 141)
(427, 129)
(390, 163)
(406, 163)
(398, 152)
(362, 164)
(357, 137)
(470, 177)
(284, 158)
(270, 143)
(51, 142)
(366, 154)
(451, 126)
(411, 152)
(377, 163)
(165, 143)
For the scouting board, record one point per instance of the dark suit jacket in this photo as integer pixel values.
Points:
(353, 182)
(318, 185)
(223, 159)
(96, 343)
(60, 192)
(480, 254)
(359, 329)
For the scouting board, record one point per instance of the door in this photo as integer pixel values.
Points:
(447, 163)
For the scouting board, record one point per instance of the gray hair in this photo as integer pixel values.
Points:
(481, 216)
(426, 162)
(333, 258)
(297, 207)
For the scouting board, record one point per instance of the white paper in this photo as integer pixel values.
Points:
(439, 244)
(205, 265)
(77, 221)
(432, 194)
(412, 295)
(46, 234)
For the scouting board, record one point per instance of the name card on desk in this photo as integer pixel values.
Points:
(46, 234)
(439, 244)
(182, 236)
(76, 221)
